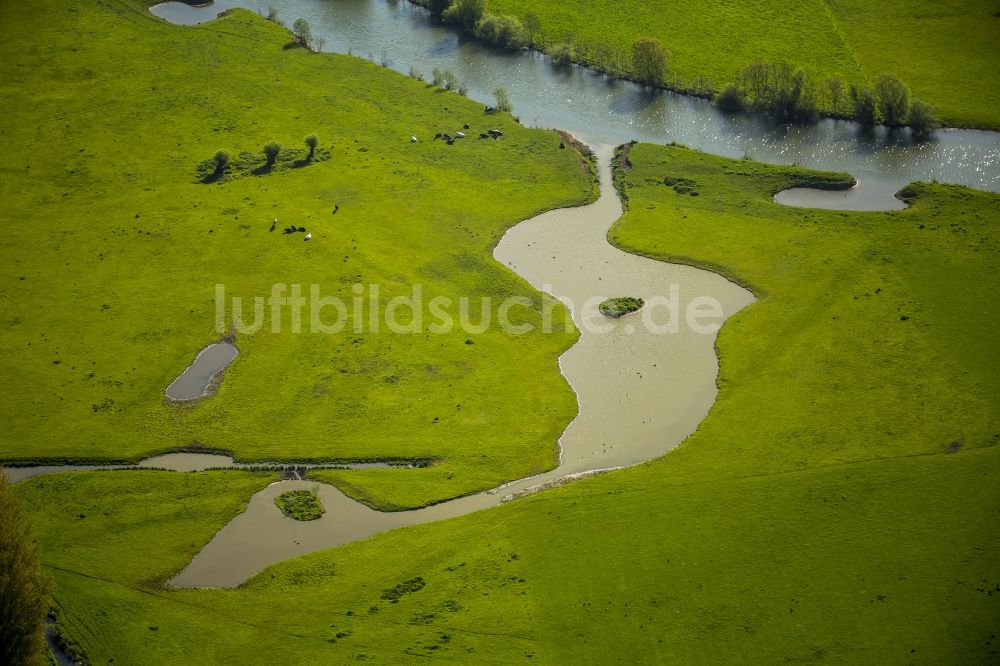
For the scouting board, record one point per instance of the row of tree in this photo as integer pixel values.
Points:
(271, 151)
(790, 94)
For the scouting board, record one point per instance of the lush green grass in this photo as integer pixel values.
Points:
(839, 503)
(300, 504)
(918, 40)
(113, 250)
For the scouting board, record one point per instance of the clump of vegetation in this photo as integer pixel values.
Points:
(893, 99)
(271, 151)
(395, 593)
(505, 31)
(24, 588)
(416, 74)
(301, 504)
(445, 78)
(464, 13)
(221, 159)
(921, 118)
(223, 167)
(503, 101)
(621, 306)
(650, 61)
(302, 31)
(562, 53)
(865, 105)
(731, 99)
(681, 185)
(785, 92)
(311, 142)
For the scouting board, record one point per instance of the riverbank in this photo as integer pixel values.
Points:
(709, 45)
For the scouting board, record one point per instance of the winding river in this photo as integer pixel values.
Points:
(640, 392)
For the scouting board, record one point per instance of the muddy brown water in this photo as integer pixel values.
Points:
(640, 391)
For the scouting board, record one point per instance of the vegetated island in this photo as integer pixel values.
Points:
(301, 504)
(621, 306)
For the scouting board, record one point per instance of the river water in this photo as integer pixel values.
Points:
(613, 112)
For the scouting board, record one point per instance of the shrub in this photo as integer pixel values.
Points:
(24, 588)
(437, 77)
(731, 99)
(532, 27)
(416, 75)
(450, 80)
(780, 90)
(650, 61)
(438, 6)
(271, 150)
(221, 159)
(465, 13)
(835, 86)
(561, 53)
(503, 101)
(311, 141)
(893, 99)
(302, 31)
(505, 31)
(865, 105)
(921, 118)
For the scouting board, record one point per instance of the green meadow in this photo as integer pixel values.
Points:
(944, 51)
(113, 248)
(838, 504)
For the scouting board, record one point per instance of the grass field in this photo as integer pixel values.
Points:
(112, 251)
(839, 503)
(917, 40)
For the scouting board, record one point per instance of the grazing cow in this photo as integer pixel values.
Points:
(466, 126)
(459, 135)
(336, 208)
(446, 136)
(451, 142)
(483, 135)
(302, 229)
(413, 139)
(437, 136)
(489, 109)
(308, 236)
(561, 145)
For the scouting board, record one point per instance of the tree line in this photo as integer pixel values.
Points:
(790, 94)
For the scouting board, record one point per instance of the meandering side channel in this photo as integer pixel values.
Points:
(640, 392)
